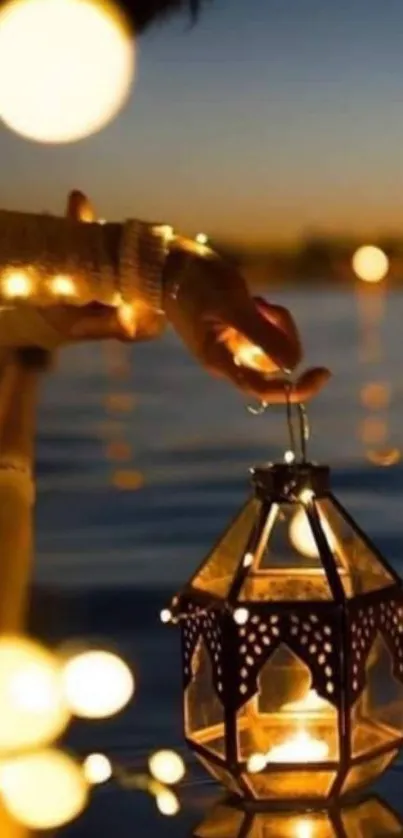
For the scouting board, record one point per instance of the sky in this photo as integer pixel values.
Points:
(269, 120)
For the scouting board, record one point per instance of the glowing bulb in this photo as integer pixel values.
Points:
(167, 767)
(33, 711)
(256, 763)
(97, 684)
(97, 769)
(370, 264)
(306, 496)
(44, 789)
(303, 539)
(62, 286)
(16, 284)
(166, 615)
(241, 616)
(69, 65)
(248, 559)
(167, 233)
(289, 457)
(167, 802)
(201, 238)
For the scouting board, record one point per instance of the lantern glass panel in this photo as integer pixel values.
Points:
(377, 718)
(370, 819)
(291, 784)
(287, 720)
(204, 714)
(221, 774)
(368, 771)
(222, 822)
(360, 569)
(217, 572)
(287, 564)
(283, 825)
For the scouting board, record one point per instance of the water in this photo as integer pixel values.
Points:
(108, 558)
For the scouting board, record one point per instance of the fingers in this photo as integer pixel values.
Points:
(219, 360)
(79, 208)
(284, 349)
(280, 317)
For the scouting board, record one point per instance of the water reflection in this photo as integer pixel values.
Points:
(119, 404)
(376, 391)
(369, 817)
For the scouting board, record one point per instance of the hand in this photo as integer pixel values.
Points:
(232, 334)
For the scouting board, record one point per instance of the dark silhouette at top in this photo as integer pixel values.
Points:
(142, 13)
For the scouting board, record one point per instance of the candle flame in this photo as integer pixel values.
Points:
(310, 703)
(299, 748)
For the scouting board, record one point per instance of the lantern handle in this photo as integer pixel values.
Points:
(303, 425)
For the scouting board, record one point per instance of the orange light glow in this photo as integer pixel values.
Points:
(299, 748)
(16, 284)
(245, 353)
(310, 703)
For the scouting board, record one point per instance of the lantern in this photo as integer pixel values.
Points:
(292, 634)
(366, 818)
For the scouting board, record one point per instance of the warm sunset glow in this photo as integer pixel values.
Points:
(370, 264)
(69, 66)
(16, 284)
(97, 684)
(32, 707)
(302, 537)
(44, 789)
(299, 748)
(167, 767)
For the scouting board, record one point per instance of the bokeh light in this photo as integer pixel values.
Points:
(167, 802)
(97, 684)
(69, 66)
(302, 537)
(97, 769)
(16, 284)
(33, 710)
(370, 264)
(62, 286)
(167, 767)
(44, 789)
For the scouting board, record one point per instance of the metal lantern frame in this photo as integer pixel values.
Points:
(332, 637)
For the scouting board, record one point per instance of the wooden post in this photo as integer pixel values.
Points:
(19, 385)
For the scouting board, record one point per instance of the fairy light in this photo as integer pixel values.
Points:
(44, 789)
(256, 763)
(306, 496)
(69, 66)
(241, 616)
(248, 559)
(62, 286)
(16, 284)
(167, 803)
(97, 769)
(202, 239)
(166, 615)
(167, 767)
(97, 684)
(289, 457)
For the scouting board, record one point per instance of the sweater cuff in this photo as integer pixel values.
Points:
(143, 252)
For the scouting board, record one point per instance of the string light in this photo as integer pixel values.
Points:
(62, 286)
(166, 615)
(202, 238)
(167, 802)
(33, 710)
(44, 789)
(241, 616)
(167, 767)
(289, 457)
(256, 763)
(97, 769)
(16, 284)
(69, 66)
(97, 684)
(248, 559)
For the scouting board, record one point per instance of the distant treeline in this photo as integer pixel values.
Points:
(314, 260)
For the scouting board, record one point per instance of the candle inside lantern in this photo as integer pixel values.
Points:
(301, 747)
(310, 703)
